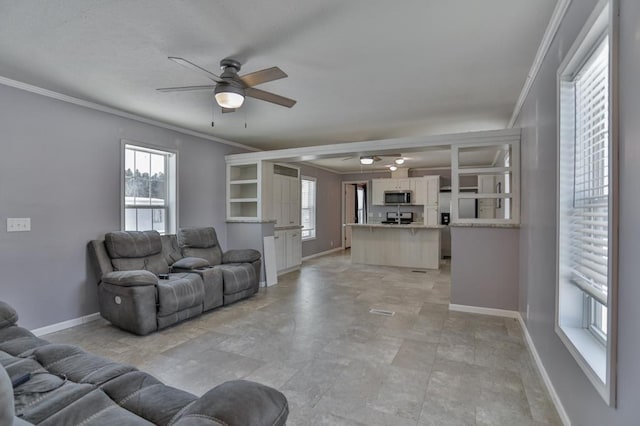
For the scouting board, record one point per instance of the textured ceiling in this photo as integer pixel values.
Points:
(359, 69)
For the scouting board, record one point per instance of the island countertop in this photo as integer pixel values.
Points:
(403, 226)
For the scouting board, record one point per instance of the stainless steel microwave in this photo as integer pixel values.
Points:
(397, 197)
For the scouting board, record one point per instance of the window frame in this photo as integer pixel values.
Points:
(313, 230)
(575, 322)
(171, 169)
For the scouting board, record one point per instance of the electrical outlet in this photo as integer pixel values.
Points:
(331, 243)
(527, 311)
(18, 224)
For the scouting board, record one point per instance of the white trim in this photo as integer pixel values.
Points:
(48, 329)
(322, 253)
(308, 153)
(545, 376)
(549, 34)
(484, 311)
(109, 110)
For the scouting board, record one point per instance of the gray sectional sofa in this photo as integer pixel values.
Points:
(53, 384)
(147, 282)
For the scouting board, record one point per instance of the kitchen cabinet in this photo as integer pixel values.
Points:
(431, 215)
(288, 244)
(285, 200)
(379, 186)
(425, 190)
(486, 206)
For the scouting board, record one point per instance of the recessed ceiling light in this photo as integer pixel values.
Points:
(393, 168)
(366, 160)
(399, 161)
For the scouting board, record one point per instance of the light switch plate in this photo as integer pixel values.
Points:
(18, 224)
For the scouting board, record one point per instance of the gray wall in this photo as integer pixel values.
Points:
(538, 234)
(485, 267)
(328, 213)
(60, 166)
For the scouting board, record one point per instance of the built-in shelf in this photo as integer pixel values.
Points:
(243, 191)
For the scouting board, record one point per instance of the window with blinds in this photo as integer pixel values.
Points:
(587, 201)
(589, 220)
(308, 207)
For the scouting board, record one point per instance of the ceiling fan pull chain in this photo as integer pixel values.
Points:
(213, 114)
(244, 110)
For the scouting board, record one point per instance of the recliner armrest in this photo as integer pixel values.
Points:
(235, 403)
(241, 256)
(130, 278)
(190, 263)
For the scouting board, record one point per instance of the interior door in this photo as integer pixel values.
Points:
(350, 213)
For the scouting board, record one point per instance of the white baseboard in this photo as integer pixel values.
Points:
(65, 324)
(322, 253)
(545, 376)
(484, 311)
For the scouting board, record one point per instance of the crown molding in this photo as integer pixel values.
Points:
(549, 34)
(109, 110)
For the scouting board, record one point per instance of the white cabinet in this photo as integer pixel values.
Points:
(379, 186)
(285, 200)
(288, 249)
(433, 189)
(424, 189)
(431, 215)
(486, 206)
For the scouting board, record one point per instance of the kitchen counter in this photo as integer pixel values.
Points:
(401, 226)
(411, 246)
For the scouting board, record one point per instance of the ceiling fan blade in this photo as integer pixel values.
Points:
(197, 68)
(263, 76)
(269, 97)
(226, 110)
(185, 88)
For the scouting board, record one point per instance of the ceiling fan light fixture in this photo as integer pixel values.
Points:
(367, 161)
(399, 161)
(393, 168)
(229, 96)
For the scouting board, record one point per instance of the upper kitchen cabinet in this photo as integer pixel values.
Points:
(285, 198)
(424, 189)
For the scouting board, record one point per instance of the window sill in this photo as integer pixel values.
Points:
(308, 239)
(590, 355)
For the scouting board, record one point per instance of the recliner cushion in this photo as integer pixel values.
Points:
(8, 315)
(156, 264)
(180, 291)
(237, 277)
(200, 242)
(197, 237)
(132, 244)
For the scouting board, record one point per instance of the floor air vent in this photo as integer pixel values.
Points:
(420, 272)
(382, 312)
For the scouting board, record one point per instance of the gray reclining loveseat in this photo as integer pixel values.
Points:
(53, 384)
(147, 282)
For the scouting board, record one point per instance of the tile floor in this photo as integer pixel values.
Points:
(312, 337)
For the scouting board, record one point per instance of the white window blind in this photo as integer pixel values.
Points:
(589, 218)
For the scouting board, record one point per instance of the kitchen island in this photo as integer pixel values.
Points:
(410, 246)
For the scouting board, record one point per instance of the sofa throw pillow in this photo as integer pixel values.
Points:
(8, 315)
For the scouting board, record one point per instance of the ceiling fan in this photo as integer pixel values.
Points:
(370, 159)
(230, 88)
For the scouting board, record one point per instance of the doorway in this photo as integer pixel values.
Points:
(354, 207)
